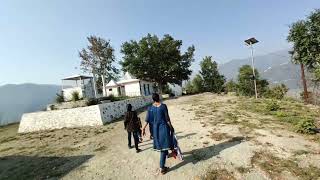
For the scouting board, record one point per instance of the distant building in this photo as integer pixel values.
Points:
(128, 85)
(77, 83)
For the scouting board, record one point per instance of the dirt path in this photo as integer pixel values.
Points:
(219, 141)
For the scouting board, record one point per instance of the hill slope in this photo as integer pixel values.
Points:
(18, 99)
(276, 67)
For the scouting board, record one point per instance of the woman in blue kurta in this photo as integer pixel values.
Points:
(162, 129)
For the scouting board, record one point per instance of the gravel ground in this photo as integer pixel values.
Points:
(216, 145)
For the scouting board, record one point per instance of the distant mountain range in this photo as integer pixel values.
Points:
(276, 67)
(18, 99)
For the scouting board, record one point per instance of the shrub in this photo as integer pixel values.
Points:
(305, 126)
(272, 106)
(92, 101)
(277, 92)
(75, 96)
(59, 98)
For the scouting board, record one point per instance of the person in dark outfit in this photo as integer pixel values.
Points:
(162, 130)
(131, 124)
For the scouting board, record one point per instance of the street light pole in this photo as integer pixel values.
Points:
(250, 42)
(253, 72)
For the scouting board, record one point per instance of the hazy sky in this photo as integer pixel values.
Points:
(40, 39)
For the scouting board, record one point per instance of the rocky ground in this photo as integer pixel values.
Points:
(220, 137)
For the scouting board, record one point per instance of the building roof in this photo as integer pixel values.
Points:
(77, 77)
(112, 83)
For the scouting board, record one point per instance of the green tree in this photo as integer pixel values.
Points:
(198, 84)
(98, 58)
(212, 79)
(189, 88)
(231, 86)
(157, 60)
(304, 34)
(246, 84)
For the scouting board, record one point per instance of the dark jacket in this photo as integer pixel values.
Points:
(131, 121)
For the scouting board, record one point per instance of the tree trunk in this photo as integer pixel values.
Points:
(103, 86)
(304, 83)
(94, 85)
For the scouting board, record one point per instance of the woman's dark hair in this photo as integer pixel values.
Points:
(129, 107)
(155, 97)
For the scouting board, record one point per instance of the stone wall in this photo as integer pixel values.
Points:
(77, 117)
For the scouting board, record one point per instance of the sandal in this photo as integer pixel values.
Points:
(164, 170)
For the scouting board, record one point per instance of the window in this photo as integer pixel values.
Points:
(144, 89)
(149, 89)
(110, 89)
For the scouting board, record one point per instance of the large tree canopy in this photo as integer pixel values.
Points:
(305, 36)
(157, 60)
(212, 80)
(98, 58)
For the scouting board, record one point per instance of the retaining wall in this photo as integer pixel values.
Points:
(77, 117)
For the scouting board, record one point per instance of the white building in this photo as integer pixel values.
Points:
(77, 83)
(130, 86)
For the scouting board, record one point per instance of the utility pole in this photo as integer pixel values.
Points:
(250, 42)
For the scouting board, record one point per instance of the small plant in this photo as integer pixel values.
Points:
(91, 101)
(60, 98)
(75, 96)
(272, 106)
(277, 92)
(305, 126)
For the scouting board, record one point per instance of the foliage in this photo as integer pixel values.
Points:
(212, 80)
(306, 44)
(75, 96)
(305, 126)
(166, 89)
(195, 86)
(60, 98)
(231, 86)
(246, 82)
(92, 101)
(98, 58)
(157, 60)
(277, 92)
(272, 105)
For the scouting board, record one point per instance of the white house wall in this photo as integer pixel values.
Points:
(132, 89)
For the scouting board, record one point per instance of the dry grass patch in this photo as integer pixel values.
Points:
(218, 174)
(275, 166)
(219, 136)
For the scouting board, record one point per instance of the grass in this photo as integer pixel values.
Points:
(275, 166)
(218, 174)
(219, 136)
(243, 170)
(299, 116)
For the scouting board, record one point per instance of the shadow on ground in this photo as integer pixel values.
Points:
(206, 153)
(32, 167)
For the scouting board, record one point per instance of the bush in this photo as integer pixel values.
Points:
(305, 126)
(277, 92)
(92, 101)
(75, 96)
(59, 98)
(272, 106)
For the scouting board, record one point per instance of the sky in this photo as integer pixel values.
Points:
(40, 40)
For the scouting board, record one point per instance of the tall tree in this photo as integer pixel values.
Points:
(246, 84)
(212, 79)
(98, 58)
(157, 60)
(304, 35)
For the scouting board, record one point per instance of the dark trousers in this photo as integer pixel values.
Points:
(163, 156)
(151, 129)
(135, 138)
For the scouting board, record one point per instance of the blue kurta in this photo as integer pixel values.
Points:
(162, 138)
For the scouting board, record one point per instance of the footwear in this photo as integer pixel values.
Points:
(130, 147)
(164, 170)
(151, 137)
(138, 150)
